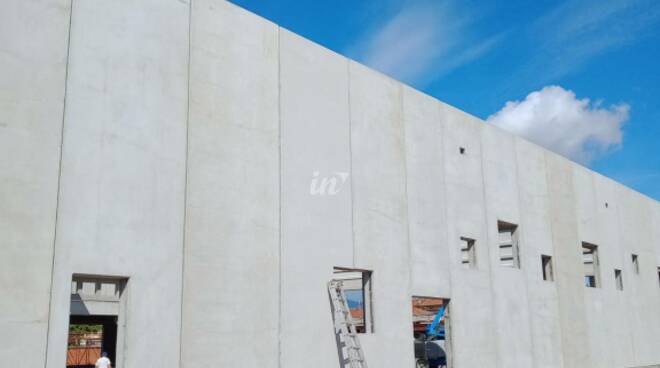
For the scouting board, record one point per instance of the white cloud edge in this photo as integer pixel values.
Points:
(556, 119)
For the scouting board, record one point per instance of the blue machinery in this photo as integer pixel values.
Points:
(436, 329)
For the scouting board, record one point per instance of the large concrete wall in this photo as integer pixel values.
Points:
(190, 137)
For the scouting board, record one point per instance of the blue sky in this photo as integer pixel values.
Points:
(581, 77)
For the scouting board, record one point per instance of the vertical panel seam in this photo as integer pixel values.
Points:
(619, 206)
(555, 245)
(59, 183)
(445, 203)
(556, 259)
(185, 188)
(406, 194)
(491, 270)
(279, 225)
(525, 275)
(350, 161)
(578, 234)
(450, 264)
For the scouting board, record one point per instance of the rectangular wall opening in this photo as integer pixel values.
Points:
(591, 265)
(546, 267)
(468, 253)
(635, 264)
(618, 279)
(431, 331)
(356, 285)
(509, 246)
(94, 320)
(658, 275)
(89, 338)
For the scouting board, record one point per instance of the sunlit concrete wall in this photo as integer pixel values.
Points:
(33, 56)
(122, 185)
(174, 143)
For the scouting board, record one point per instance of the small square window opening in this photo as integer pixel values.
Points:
(618, 279)
(591, 265)
(468, 253)
(508, 244)
(546, 266)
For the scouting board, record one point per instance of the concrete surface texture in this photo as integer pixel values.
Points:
(224, 166)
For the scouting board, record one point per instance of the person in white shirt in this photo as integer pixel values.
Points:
(103, 361)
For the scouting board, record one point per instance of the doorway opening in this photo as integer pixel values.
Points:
(431, 332)
(89, 337)
(95, 320)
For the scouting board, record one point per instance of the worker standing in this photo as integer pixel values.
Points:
(103, 361)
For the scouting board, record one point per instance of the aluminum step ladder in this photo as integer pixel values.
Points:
(345, 326)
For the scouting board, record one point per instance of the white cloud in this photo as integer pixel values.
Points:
(556, 119)
(421, 42)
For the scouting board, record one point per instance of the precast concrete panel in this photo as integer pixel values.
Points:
(595, 298)
(472, 324)
(316, 196)
(604, 329)
(511, 306)
(644, 322)
(537, 230)
(568, 262)
(380, 212)
(123, 170)
(430, 261)
(231, 262)
(33, 52)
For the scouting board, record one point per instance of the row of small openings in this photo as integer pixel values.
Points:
(508, 245)
(509, 256)
(509, 251)
(592, 267)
